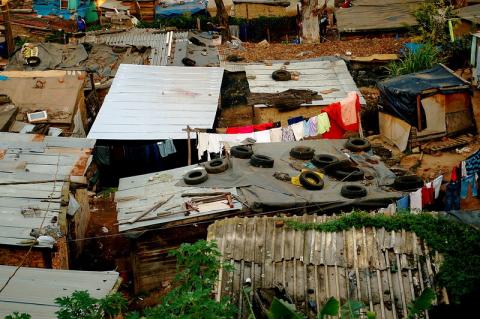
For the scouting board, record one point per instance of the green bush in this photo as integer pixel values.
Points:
(422, 59)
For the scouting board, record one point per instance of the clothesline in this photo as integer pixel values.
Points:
(331, 123)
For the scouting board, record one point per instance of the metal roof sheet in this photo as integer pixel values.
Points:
(33, 290)
(356, 264)
(156, 102)
(321, 75)
(33, 172)
(139, 193)
(470, 13)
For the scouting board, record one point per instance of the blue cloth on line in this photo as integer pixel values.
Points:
(166, 148)
(403, 203)
(294, 120)
(472, 163)
(469, 180)
(452, 196)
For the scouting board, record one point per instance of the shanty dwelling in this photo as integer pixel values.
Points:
(163, 210)
(422, 106)
(373, 16)
(250, 90)
(54, 97)
(33, 290)
(43, 198)
(152, 215)
(384, 270)
(149, 119)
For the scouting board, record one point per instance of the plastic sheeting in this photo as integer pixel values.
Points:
(177, 10)
(398, 96)
(261, 191)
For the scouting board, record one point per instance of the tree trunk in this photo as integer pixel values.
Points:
(222, 16)
(310, 27)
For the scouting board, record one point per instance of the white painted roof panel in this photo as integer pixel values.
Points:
(149, 102)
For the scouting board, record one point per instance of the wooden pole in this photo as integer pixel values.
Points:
(419, 113)
(189, 146)
(8, 28)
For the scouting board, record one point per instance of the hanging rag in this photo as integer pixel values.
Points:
(349, 108)
(297, 129)
(437, 183)
(263, 126)
(323, 123)
(214, 145)
(166, 148)
(276, 134)
(312, 126)
(453, 177)
(102, 155)
(239, 129)
(468, 181)
(472, 163)
(416, 200)
(287, 134)
(306, 129)
(262, 136)
(452, 196)
(464, 168)
(403, 203)
(294, 120)
(427, 195)
(202, 144)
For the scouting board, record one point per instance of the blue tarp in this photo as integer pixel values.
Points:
(179, 9)
(51, 7)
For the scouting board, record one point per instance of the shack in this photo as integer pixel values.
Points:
(43, 198)
(143, 121)
(56, 97)
(423, 106)
(159, 211)
(250, 95)
(374, 16)
(33, 290)
(385, 270)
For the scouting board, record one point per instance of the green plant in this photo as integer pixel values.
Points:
(17, 315)
(432, 17)
(414, 61)
(198, 266)
(330, 308)
(80, 305)
(280, 309)
(417, 308)
(459, 243)
(351, 309)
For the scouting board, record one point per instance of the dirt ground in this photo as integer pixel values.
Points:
(254, 52)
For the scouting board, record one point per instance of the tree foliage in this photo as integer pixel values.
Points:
(432, 17)
(198, 266)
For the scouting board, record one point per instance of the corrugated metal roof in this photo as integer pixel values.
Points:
(470, 13)
(33, 172)
(34, 290)
(156, 102)
(384, 270)
(157, 40)
(318, 76)
(139, 193)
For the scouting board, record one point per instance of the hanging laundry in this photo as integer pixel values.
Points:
(262, 136)
(464, 169)
(294, 120)
(306, 129)
(323, 123)
(202, 144)
(349, 108)
(312, 126)
(287, 134)
(468, 181)
(453, 177)
(437, 183)
(102, 155)
(427, 195)
(263, 126)
(276, 134)
(214, 145)
(452, 196)
(166, 148)
(298, 129)
(240, 129)
(416, 200)
(472, 163)
(337, 127)
(403, 203)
